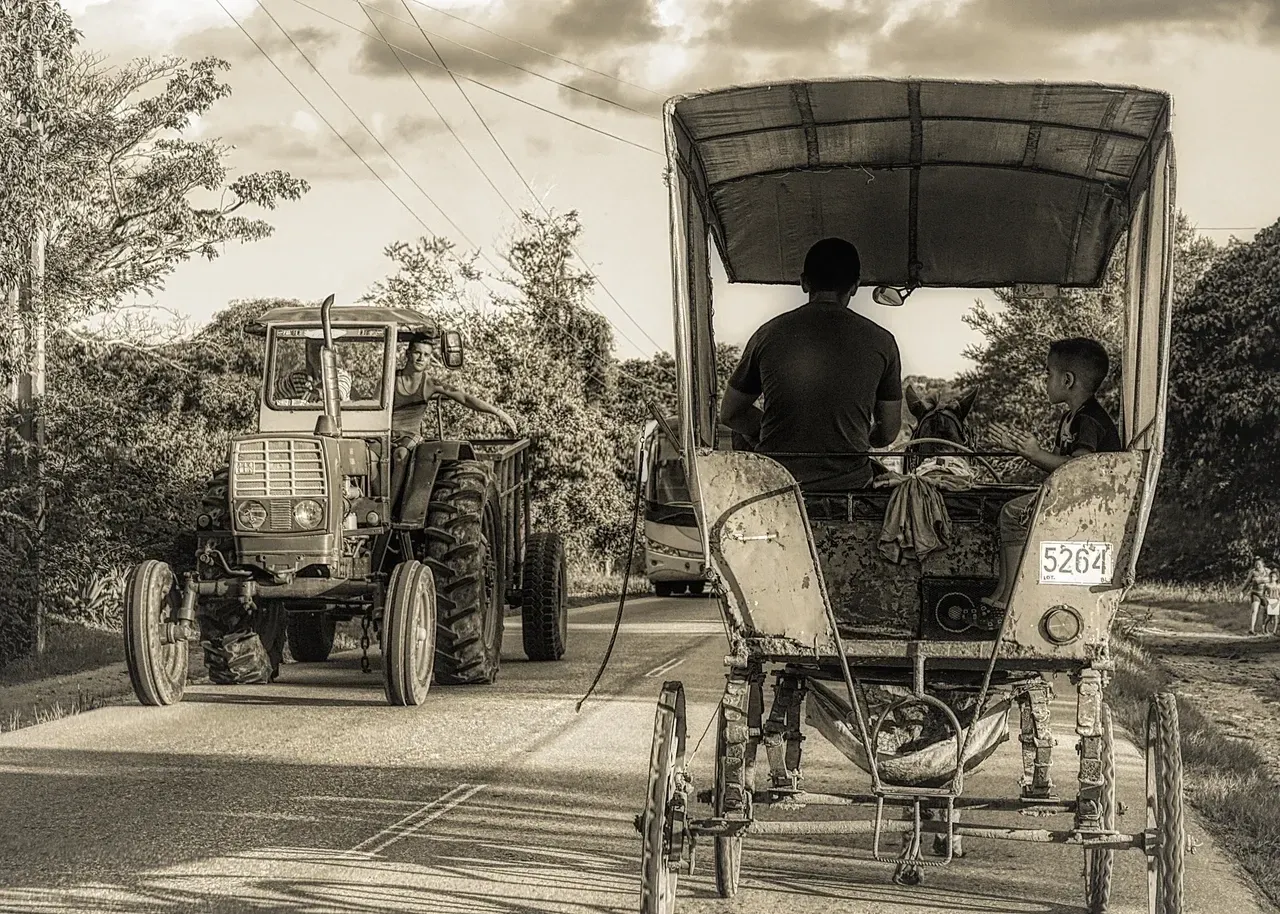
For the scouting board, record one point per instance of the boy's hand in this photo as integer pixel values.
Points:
(1016, 440)
(508, 422)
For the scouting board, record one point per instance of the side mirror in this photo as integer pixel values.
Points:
(888, 296)
(452, 345)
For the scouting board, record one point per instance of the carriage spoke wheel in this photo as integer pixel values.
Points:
(1098, 862)
(662, 822)
(1164, 808)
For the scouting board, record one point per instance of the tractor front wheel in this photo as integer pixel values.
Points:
(408, 634)
(158, 671)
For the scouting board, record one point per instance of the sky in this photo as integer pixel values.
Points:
(532, 68)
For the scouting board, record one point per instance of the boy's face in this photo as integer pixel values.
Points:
(1057, 381)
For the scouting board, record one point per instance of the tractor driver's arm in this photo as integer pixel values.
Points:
(471, 401)
(738, 410)
(887, 412)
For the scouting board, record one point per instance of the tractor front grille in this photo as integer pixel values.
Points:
(278, 468)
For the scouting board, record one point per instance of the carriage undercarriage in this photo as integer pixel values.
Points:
(672, 828)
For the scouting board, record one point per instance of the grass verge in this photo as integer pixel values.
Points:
(69, 648)
(1225, 779)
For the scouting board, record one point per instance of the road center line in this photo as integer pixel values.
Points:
(418, 818)
(665, 667)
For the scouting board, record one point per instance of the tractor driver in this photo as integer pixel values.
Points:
(831, 380)
(305, 384)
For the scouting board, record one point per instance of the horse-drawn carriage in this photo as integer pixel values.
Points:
(939, 184)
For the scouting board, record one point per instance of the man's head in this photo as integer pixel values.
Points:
(421, 354)
(1075, 369)
(831, 269)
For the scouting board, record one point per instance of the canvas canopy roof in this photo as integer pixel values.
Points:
(938, 183)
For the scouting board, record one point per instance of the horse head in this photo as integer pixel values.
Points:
(939, 418)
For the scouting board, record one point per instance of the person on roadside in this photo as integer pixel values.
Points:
(1255, 588)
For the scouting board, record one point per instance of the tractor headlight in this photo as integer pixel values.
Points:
(1061, 625)
(251, 515)
(204, 521)
(308, 514)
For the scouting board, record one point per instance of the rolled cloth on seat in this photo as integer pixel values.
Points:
(916, 521)
(922, 753)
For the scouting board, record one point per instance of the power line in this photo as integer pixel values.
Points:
(572, 63)
(471, 79)
(526, 184)
(440, 114)
(515, 66)
(369, 131)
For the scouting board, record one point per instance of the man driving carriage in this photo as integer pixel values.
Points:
(831, 380)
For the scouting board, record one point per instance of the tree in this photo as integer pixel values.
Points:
(1220, 488)
(124, 196)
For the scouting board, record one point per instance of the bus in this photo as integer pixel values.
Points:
(674, 561)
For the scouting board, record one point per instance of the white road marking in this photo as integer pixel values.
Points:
(418, 818)
(654, 628)
(665, 667)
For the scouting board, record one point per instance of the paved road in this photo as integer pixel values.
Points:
(311, 795)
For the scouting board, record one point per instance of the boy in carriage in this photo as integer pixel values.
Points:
(1074, 370)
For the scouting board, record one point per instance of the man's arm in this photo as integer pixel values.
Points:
(471, 401)
(888, 416)
(738, 411)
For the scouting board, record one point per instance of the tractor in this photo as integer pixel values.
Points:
(322, 517)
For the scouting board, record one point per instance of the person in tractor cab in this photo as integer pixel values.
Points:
(305, 384)
(1074, 370)
(831, 380)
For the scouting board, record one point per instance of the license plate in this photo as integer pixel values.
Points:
(1075, 563)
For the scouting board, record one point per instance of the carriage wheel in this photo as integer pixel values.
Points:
(1164, 807)
(1098, 862)
(735, 755)
(662, 823)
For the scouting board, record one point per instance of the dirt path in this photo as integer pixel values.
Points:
(1231, 676)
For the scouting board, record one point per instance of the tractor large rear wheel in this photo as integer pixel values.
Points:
(242, 650)
(464, 551)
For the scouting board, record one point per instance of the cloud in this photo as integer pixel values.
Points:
(587, 31)
(229, 43)
(799, 25)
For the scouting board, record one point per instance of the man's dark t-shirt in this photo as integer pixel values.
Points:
(1088, 427)
(821, 368)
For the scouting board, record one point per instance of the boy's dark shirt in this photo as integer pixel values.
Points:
(1089, 427)
(821, 368)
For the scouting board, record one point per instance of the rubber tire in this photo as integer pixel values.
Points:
(216, 501)
(311, 636)
(663, 589)
(468, 626)
(728, 851)
(409, 616)
(658, 879)
(158, 671)
(233, 650)
(1165, 868)
(544, 591)
(1099, 864)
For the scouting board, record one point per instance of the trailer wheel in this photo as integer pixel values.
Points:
(158, 671)
(311, 636)
(544, 612)
(1164, 807)
(1098, 863)
(662, 822)
(409, 634)
(464, 552)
